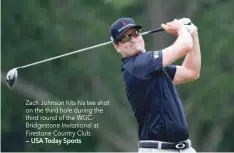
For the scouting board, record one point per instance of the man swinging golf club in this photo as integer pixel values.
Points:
(150, 78)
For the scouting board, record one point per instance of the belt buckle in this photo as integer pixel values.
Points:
(180, 145)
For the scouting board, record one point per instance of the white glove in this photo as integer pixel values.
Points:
(189, 25)
(191, 28)
(186, 21)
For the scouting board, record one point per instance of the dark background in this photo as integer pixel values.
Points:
(33, 30)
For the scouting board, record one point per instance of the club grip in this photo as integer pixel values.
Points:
(152, 31)
(156, 30)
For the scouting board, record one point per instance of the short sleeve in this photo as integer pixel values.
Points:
(146, 63)
(171, 70)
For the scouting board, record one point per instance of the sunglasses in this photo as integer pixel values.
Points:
(128, 37)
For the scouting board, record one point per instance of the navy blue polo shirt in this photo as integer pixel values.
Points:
(153, 97)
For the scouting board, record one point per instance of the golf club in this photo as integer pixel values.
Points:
(12, 74)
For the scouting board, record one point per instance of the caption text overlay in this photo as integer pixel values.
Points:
(62, 122)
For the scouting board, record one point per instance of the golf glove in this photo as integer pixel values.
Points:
(189, 25)
(186, 21)
(191, 28)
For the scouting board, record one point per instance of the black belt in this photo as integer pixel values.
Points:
(164, 145)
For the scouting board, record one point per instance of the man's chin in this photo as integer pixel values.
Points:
(141, 50)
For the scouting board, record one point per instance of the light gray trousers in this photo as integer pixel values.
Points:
(146, 150)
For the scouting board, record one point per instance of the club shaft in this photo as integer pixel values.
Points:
(152, 31)
(63, 55)
(81, 50)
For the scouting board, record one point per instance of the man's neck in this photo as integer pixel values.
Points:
(134, 54)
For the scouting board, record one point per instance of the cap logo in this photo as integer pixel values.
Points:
(124, 23)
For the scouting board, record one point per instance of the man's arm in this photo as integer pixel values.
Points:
(190, 69)
(180, 47)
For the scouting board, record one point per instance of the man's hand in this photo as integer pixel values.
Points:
(173, 27)
(186, 21)
(191, 28)
(189, 25)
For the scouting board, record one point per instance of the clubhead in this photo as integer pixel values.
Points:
(11, 77)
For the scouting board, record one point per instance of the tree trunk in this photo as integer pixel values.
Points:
(162, 11)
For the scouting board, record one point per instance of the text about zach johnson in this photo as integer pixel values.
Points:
(62, 122)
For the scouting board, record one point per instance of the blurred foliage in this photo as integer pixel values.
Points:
(33, 30)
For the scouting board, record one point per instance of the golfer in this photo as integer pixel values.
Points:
(150, 78)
